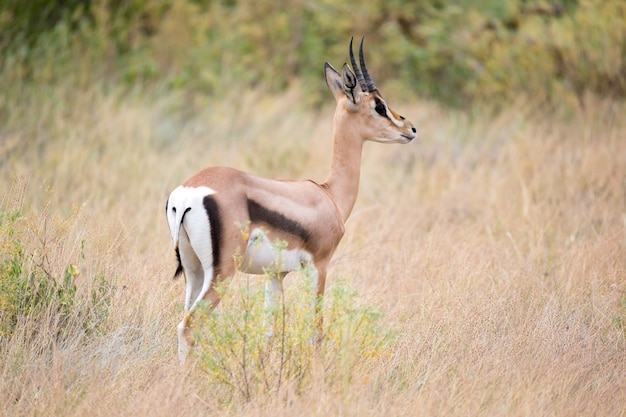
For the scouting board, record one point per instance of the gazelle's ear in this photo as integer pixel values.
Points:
(349, 84)
(343, 84)
(333, 80)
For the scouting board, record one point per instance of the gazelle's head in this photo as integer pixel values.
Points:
(360, 104)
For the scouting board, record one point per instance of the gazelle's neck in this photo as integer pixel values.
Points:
(345, 168)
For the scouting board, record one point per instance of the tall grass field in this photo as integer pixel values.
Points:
(483, 270)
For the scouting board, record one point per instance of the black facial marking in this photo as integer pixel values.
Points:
(380, 107)
(212, 211)
(259, 214)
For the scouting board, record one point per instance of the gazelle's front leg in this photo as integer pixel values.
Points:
(273, 288)
(319, 285)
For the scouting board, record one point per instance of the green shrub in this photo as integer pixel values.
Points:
(244, 356)
(32, 295)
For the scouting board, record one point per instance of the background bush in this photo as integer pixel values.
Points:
(486, 51)
(38, 286)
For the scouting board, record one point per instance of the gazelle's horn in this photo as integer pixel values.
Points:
(369, 84)
(357, 71)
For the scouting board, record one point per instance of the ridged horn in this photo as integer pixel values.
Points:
(369, 83)
(357, 71)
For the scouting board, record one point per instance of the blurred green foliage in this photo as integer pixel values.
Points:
(456, 52)
(32, 291)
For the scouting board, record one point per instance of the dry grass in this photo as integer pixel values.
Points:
(495, 247)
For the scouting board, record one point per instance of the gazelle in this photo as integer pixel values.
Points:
(206, 213)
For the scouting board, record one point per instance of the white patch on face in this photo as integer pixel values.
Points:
(263, 255)
(395, 121)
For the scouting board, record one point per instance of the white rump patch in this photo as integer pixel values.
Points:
(181, 200)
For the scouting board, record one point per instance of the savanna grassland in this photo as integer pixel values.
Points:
(494, 249)
(482, 272)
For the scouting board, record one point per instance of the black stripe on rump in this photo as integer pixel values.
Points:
(212, 211)
(260, 214)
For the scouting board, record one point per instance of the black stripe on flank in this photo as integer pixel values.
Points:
(212, 211)
(259, 214)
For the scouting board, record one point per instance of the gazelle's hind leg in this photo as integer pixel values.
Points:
(194, 281)
(192, 267)
(198, 284)
(206, 291)
(185, 338)
(196, 256)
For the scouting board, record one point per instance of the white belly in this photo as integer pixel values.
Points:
(264, 256)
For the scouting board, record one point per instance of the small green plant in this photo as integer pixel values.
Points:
(30, 290)
(12, 284)
(244, 354)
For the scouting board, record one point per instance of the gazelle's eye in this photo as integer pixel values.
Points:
(380, 108)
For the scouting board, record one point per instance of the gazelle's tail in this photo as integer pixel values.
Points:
(175, 217)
